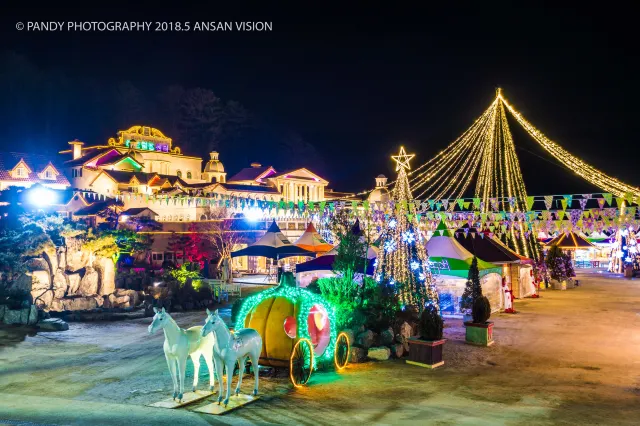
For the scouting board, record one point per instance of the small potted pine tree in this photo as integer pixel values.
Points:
(556, 267)
(478, 331)
(472, 291)
(426, 350)
(568, 269)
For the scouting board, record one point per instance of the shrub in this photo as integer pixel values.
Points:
(235, 309)
(473, 288)
(431, 323)
(481, 310)
(313, 286)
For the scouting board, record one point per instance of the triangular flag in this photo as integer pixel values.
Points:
(619, 200)
(607, 197)
(529, 203)
(548, 200)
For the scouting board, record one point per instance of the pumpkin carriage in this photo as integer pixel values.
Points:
(298, 330)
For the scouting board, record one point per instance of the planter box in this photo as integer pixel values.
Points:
(425, 353)
(558, 285)
(479, 334)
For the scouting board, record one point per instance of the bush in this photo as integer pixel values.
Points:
(235, 309)
(431, 323)
(481, 310)
(314, 287)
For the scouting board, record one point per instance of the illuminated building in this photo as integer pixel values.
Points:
(24, 170)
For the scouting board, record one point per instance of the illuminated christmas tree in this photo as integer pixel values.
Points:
(402, 261)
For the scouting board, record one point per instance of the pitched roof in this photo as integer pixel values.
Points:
(485, 248)
(570, 240)
(137, 210)
(36, 162)
(249, 173)
(124, 177)
(249, 188)
(90, 154)
(96, 207)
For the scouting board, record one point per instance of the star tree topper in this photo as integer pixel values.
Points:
(402, 159)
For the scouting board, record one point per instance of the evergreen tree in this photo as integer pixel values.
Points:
(473, 288)
(402, 262)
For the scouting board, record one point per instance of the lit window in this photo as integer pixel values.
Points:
(188, 175)
(21, 172)
(48, 174)
(179, 173)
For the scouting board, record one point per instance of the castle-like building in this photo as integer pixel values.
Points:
(143, 161)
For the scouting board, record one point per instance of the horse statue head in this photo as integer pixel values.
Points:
(160, 320)
(212, 323)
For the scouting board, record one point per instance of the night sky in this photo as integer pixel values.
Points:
(357, 83)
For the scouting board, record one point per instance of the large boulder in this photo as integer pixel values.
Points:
(357, 355)
(62, 258)
(397, 350)
(60, 284)
(74, 304)
(350, 336)
(53, 324)
(365, 339)
(381, 353)
(51, 255)
(386, 337)
(89, 283)
(74, 283)
(40, 281)
(29, 315)
(12, 316)
(76, 259)
(24, 283)
(107, 275)
(37, 264)
(134, 296)
(43, 299)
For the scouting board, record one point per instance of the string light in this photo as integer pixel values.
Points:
(402, 262)
(306, 301)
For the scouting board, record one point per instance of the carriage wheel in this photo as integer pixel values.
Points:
(301, 362)
(341, 352)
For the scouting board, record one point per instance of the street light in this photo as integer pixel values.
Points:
(42, 197)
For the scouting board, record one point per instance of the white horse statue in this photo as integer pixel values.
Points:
(178, 345)
(231, 347)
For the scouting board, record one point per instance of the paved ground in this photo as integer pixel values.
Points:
(571, 357)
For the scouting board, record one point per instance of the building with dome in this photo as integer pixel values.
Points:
(143, 161)
(381, 193)
(214, 170)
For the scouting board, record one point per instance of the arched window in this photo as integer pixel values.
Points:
(179, 173)
(188, 218)
(188, 175)
(203, 217)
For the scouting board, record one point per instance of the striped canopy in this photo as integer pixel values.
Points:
(448, 257)
(311, 240)
(273, 245)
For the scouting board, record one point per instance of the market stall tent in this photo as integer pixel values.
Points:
(516, 269)
(312, 241)
(450, 263)
(273, 245)
(322, 266)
